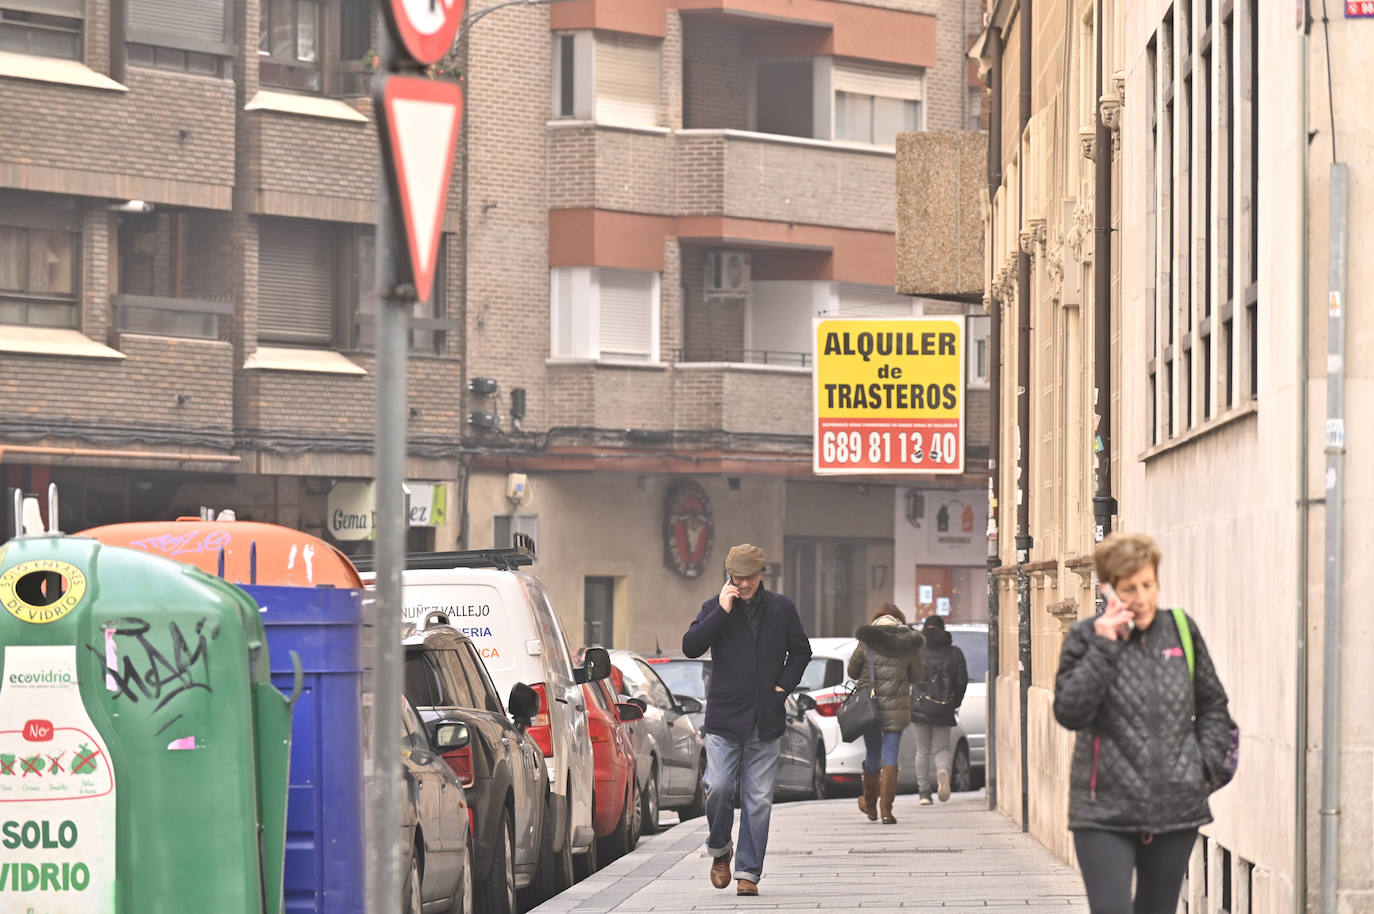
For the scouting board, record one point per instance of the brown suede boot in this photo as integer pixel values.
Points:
(868, 802)
(887, 792)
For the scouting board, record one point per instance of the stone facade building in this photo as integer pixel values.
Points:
(1159, 333)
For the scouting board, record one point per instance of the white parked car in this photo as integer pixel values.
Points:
(972, 639)
(506, 612)
(825, 681)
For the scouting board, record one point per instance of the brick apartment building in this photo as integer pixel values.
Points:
(653, 199)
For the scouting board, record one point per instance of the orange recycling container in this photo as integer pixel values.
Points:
(253, 553)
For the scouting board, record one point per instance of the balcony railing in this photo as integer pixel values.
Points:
(749, 356)
(185, 317)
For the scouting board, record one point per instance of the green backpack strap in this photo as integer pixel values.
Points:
(1185, 634)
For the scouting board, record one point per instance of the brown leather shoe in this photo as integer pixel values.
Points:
(720, 871)
(887, 792)
(745, 887)
(868, 800)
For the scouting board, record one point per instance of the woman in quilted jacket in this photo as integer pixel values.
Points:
(1152, 736)
(896, 654)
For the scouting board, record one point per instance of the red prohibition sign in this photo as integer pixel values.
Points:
(426, 28)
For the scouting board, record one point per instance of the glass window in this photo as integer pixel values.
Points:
(454, 679)
(686, 677)
(483, 691)
(875, 102)
(363, 259)
(288, 42)
(423, 684)
(659, 694)
(42, 35)
(974, 644)
(38, 283)
(815, 676)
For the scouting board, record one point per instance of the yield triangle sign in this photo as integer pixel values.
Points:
(420, 119)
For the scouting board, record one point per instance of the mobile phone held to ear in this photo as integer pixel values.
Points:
(1110, 593)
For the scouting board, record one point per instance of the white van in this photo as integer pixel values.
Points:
(506, 612)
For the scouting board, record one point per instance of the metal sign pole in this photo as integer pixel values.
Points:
(384, 870)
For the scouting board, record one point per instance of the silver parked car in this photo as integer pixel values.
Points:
(670, 753)
(801, 771)
(972, 639)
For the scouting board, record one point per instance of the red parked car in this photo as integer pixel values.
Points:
(615, 806)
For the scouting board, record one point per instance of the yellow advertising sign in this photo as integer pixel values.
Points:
(23, 590)
(889, 395)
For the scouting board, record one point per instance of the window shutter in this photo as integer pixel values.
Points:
(72, 8)
(879, 81)
(203, 19)
(627, 305)
(626, 80)
(295, 282)
(871, 301)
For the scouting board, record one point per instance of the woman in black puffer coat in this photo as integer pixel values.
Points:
(896, 654)
(1152, 737)
(936, 699)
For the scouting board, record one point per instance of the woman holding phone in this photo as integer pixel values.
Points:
(1150, 735)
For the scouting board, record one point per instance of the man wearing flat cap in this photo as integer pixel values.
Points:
(759, 652)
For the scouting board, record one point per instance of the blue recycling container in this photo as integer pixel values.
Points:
(324, 817)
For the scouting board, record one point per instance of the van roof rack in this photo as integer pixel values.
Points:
(509, 559)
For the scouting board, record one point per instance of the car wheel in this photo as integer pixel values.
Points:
(697, 808)
(555, 868)
(587, 863)
(636, 814)
(462, 901)
(410, 890)
(497, 894)
(649, 804)
(961, 777)
(818, 774)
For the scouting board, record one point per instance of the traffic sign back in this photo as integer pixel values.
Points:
(419, 119)
(425, 28)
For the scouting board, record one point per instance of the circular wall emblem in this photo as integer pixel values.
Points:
(42, 590)
(687, 529)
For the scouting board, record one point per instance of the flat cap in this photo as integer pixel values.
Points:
(744, 560)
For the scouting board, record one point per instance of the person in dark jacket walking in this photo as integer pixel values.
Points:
(895, 652)
(935, 700)
(1149, 733)
(759, 652)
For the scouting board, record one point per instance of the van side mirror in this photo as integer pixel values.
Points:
(451, 736)
(596, 664)
(523, 704)
(628, 711)
(687, 704)
(805, 703)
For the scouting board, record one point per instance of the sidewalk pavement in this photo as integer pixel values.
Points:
(825, 855)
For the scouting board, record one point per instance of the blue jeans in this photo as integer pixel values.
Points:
(882, 746)
(752, 767)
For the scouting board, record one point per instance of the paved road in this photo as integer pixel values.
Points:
(825, 855)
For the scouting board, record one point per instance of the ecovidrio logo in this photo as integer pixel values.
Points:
(42, 590)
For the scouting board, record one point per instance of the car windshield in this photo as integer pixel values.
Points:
(685, 677)
(814, 677)
(974, 644)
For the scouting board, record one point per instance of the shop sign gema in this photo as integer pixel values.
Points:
(889, 396)
(57, 790)
(352, 508)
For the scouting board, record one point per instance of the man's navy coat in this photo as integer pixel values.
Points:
(746, 666)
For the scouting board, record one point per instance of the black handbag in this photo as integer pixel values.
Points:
(859, 714)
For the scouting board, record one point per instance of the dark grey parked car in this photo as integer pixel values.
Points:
(436, 846)
(801, 772)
